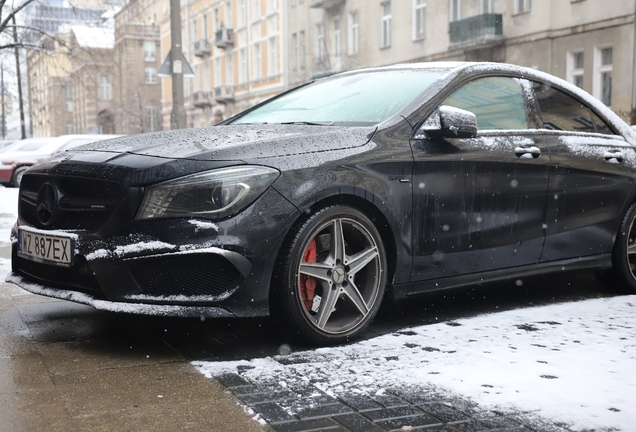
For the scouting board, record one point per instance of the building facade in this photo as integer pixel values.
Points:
(136, 87)
(583, 41)
(92, 73)
(235, 48)
(51, 88)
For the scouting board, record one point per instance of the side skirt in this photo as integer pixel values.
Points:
(582, 264)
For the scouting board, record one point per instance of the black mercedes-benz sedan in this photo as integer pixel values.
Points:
(309, 206)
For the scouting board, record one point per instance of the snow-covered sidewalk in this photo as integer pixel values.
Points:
(572, 363)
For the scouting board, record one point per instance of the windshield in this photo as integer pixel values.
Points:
(360, 99)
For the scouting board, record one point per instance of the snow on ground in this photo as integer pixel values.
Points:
(572, 362)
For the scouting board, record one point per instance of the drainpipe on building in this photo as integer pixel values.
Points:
(178, 115)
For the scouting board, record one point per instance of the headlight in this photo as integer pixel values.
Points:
(212, 194)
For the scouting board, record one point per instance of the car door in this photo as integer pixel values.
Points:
(479, 203)
(590, 177)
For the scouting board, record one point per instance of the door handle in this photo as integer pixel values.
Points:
(614, 156)
(530, 152)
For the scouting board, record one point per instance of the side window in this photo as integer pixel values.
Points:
(562, 112)
(497, 102)
(601, 126)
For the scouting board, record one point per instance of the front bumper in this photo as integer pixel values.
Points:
(180, 267)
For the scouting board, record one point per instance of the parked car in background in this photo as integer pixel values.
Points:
(5, 143)
(19, 156)
(411, 178)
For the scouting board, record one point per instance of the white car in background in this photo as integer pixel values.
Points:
(16, 158)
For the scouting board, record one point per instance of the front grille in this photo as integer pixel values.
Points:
(186, 275)
(84, 203)
(79, 277)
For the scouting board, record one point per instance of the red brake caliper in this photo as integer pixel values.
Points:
(307, 283)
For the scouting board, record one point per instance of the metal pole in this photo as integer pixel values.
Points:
(4, 118)
(178, 115)
(17, 68)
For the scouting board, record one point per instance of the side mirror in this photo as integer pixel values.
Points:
(449, 122)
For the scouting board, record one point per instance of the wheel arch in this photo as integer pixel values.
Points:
(369, 209)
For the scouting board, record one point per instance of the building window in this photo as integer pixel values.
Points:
(195, 30)
(523, 5)
(151, 75)
(256, 9)
(575, 68)
(242, 65)
(229, 65)
(336, 38)
(271, 5)
(419, 19)
(320, 42)
(242, 10)
(153, 121)
(294, 51)
(218, 79)
(228, 14)
(272, 63)
(303, 49)
(69, 129)
(455, 10)
(206, 76)
(386, 25)
(488, 6)
(352, 33)
(104, 87)
(68, 91)
(258, 64)
(603, 74)
(69, 106)
(150, 51)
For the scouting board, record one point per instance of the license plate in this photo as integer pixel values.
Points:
(44, 247)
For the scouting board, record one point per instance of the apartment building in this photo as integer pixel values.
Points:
(136, 87)
(51, 89)
(92, 74)
(235, 48)
(583, 41)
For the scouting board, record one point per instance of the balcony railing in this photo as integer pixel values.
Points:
(201, 99)
(326, 4)
(224, 94)
(224, 38)
(483, 27)
(202, 48)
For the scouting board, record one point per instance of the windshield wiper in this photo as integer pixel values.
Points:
(308, 123)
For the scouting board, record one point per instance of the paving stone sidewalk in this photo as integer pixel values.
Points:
(300, 406)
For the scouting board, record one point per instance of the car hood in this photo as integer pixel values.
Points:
(236, 142)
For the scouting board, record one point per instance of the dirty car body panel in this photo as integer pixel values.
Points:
(334, 209)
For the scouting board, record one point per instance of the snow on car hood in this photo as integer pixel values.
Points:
(237, 142)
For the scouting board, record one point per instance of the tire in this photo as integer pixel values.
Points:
(16, 178)
(330, 294)
(623, 272)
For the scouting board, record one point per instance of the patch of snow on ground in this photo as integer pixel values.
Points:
(571, 362)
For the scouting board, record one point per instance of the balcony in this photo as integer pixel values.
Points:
(201, 99)
(202, 48)
(326, 4)
(224, 94)
(224, 38)
(480, 29)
